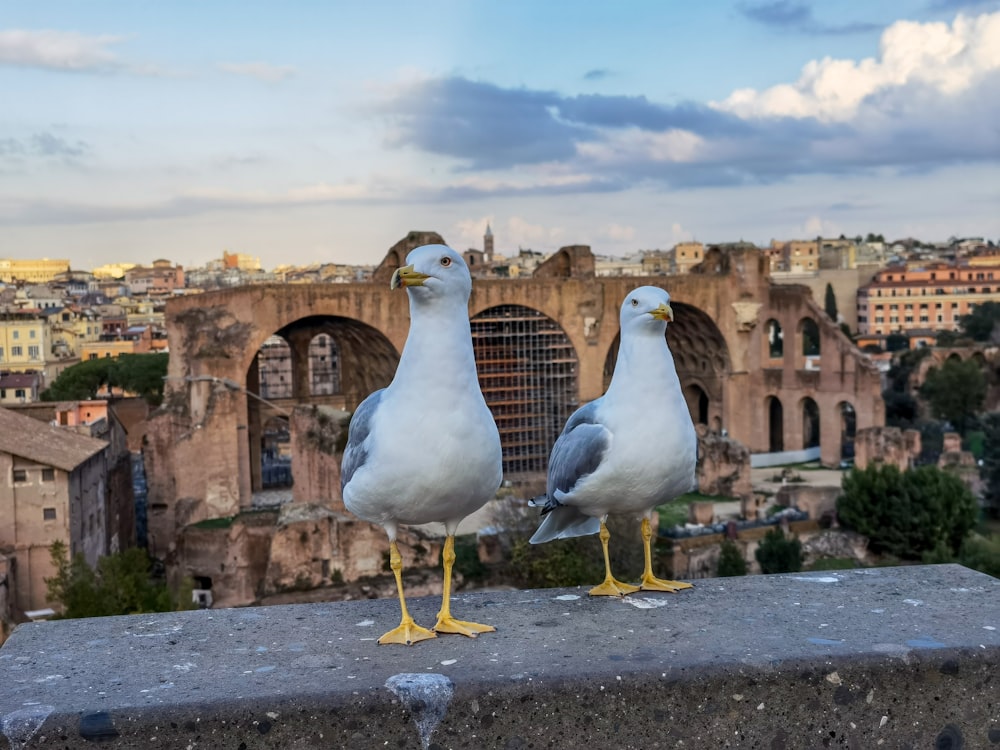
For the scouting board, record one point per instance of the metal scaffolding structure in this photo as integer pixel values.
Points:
(528, 373)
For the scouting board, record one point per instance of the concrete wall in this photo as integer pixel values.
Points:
(884, 657)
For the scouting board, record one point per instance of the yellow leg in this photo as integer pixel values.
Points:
(649, 581)
(610, 586)
(408, 631)
(445, 622)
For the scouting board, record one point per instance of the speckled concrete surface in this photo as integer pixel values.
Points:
(889, 657)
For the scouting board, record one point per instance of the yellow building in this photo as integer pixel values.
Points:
(688, 254)
(104, 349)
(33, 271)
(25, 340)
(112, 270)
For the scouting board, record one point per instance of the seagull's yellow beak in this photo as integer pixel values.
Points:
(406, 276)
(663, 312)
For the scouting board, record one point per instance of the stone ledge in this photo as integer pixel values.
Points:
(893, 657)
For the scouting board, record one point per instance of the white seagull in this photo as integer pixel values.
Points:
(426, 448)
(630, 450)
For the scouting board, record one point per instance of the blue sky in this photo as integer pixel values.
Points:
(324, 131)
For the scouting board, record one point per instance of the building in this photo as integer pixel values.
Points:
(53, 486)
(159, 280)
(112, 270)
(902, 299)
(19, 387)
(32, 271)
(686, 255)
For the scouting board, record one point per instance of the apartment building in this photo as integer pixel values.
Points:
(159, 280)
(907, 299)
(53, 486)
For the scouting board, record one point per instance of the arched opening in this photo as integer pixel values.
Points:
(701, 357)
(274, 368)
(324, 366)
(528, 373)
(848, 428)
(809, 332)
(775, 339)
(275, 453)
(319, 360)
(775, 425)
(980, 359)
(697, 401)
(954, 357)
(810, 423)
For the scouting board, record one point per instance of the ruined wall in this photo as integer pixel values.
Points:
(890, 445)
(319, 435)
(723, 465)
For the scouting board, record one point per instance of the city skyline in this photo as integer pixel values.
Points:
(323, 133)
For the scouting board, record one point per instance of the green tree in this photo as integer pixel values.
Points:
(907, 513)
(778, 554)
(731, 562)
(980, 323)
(122, 584)
(897, 342)
(989, 472)
(955, 392)
(141, 374)
(830, 303)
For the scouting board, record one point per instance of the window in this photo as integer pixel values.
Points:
(93, 356)
(33, 352)
(48, 514)
(48, 475)
(16, 351)
(16, 334)
(1, 353)
(19, 393)
(20, 475)
(31, 333)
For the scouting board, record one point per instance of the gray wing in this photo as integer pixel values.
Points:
(578, 451)
(355, 454)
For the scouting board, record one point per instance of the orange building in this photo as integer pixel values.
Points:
(905, 299)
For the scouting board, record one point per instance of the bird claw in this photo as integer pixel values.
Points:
(406, 634)
(613, 587)
(461, 627)
(658, 584)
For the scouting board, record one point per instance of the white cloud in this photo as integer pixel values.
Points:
(619, 232)
(261, 71)
(632, 145)
(57, 50)
(948, 58)
(679, 234)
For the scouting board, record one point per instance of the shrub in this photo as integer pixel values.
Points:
(731, 562)
(907, 514)
(776, 554)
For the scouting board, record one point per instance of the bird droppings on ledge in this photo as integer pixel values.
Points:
(426, 697)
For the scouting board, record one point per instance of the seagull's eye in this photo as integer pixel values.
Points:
(635, 302)
(446, 261)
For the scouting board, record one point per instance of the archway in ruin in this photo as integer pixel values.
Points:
(701, 357)
(810, 423)
(848, 428)
(528, 373)
(775, 425)
(329, 360)
(275, 453)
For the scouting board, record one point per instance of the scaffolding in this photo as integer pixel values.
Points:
(528, 373)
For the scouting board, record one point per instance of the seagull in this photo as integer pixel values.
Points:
(630, 450)
(426, 448)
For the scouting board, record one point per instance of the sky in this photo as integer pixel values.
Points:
(304, 132)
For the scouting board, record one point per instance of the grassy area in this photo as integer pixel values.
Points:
(675, 513)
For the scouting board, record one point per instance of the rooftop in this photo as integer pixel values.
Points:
(42, 443)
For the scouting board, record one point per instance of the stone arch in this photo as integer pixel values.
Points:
(324, 365)
(274, 369)
(275, 452)
(774, 345)
(701, 357)
(809, 336)
(810, 423)
(980, 359)
(954, 357)
(283, 378)
(848, 428)
(775, 424)
(697, 402)
(528, 372)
